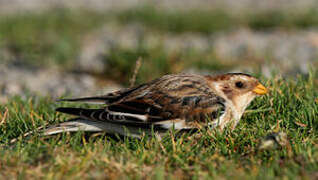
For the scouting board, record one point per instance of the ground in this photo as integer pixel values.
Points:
(61, 49)
(291, 107)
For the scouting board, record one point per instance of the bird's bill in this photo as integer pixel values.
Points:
(260, 89)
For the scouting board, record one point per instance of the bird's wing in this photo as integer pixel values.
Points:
(183, 99)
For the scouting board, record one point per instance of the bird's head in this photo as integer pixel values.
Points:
(233, 84)
(240, 88)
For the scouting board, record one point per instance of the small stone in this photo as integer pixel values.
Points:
(274, 140)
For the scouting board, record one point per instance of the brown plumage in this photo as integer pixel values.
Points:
(179, 101)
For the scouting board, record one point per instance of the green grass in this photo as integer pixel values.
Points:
(208, 154)
(176, 21)
(47, 38)
(216, 20)
(156, 62)
(55, 37)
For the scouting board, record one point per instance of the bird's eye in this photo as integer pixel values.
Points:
(239, 84)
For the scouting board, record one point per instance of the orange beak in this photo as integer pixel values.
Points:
(260, 89)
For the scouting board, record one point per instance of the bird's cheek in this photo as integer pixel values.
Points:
(228, 92)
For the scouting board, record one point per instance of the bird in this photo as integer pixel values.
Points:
(173, 101)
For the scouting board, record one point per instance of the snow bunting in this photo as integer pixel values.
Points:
(179, 101)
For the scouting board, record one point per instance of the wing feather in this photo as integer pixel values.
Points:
(164, 101)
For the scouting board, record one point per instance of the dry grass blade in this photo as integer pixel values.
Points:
(4, 117)
(173, 142)
(136, 70)
(258, 110)
(12, 141)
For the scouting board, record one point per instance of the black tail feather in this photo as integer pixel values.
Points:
(97, 100)
(78, 111)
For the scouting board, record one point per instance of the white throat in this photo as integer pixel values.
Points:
(240, 103)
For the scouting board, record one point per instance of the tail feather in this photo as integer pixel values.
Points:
(104, 99)
(80, 124)
(105, 115)
(93, 100)
(78, 111)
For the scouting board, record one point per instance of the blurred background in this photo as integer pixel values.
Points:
(81, 48)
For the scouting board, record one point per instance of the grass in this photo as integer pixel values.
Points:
(209, 154)
(156, 62)
(48, 38)
(216, 20)
(178, 22)
(55, 37)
